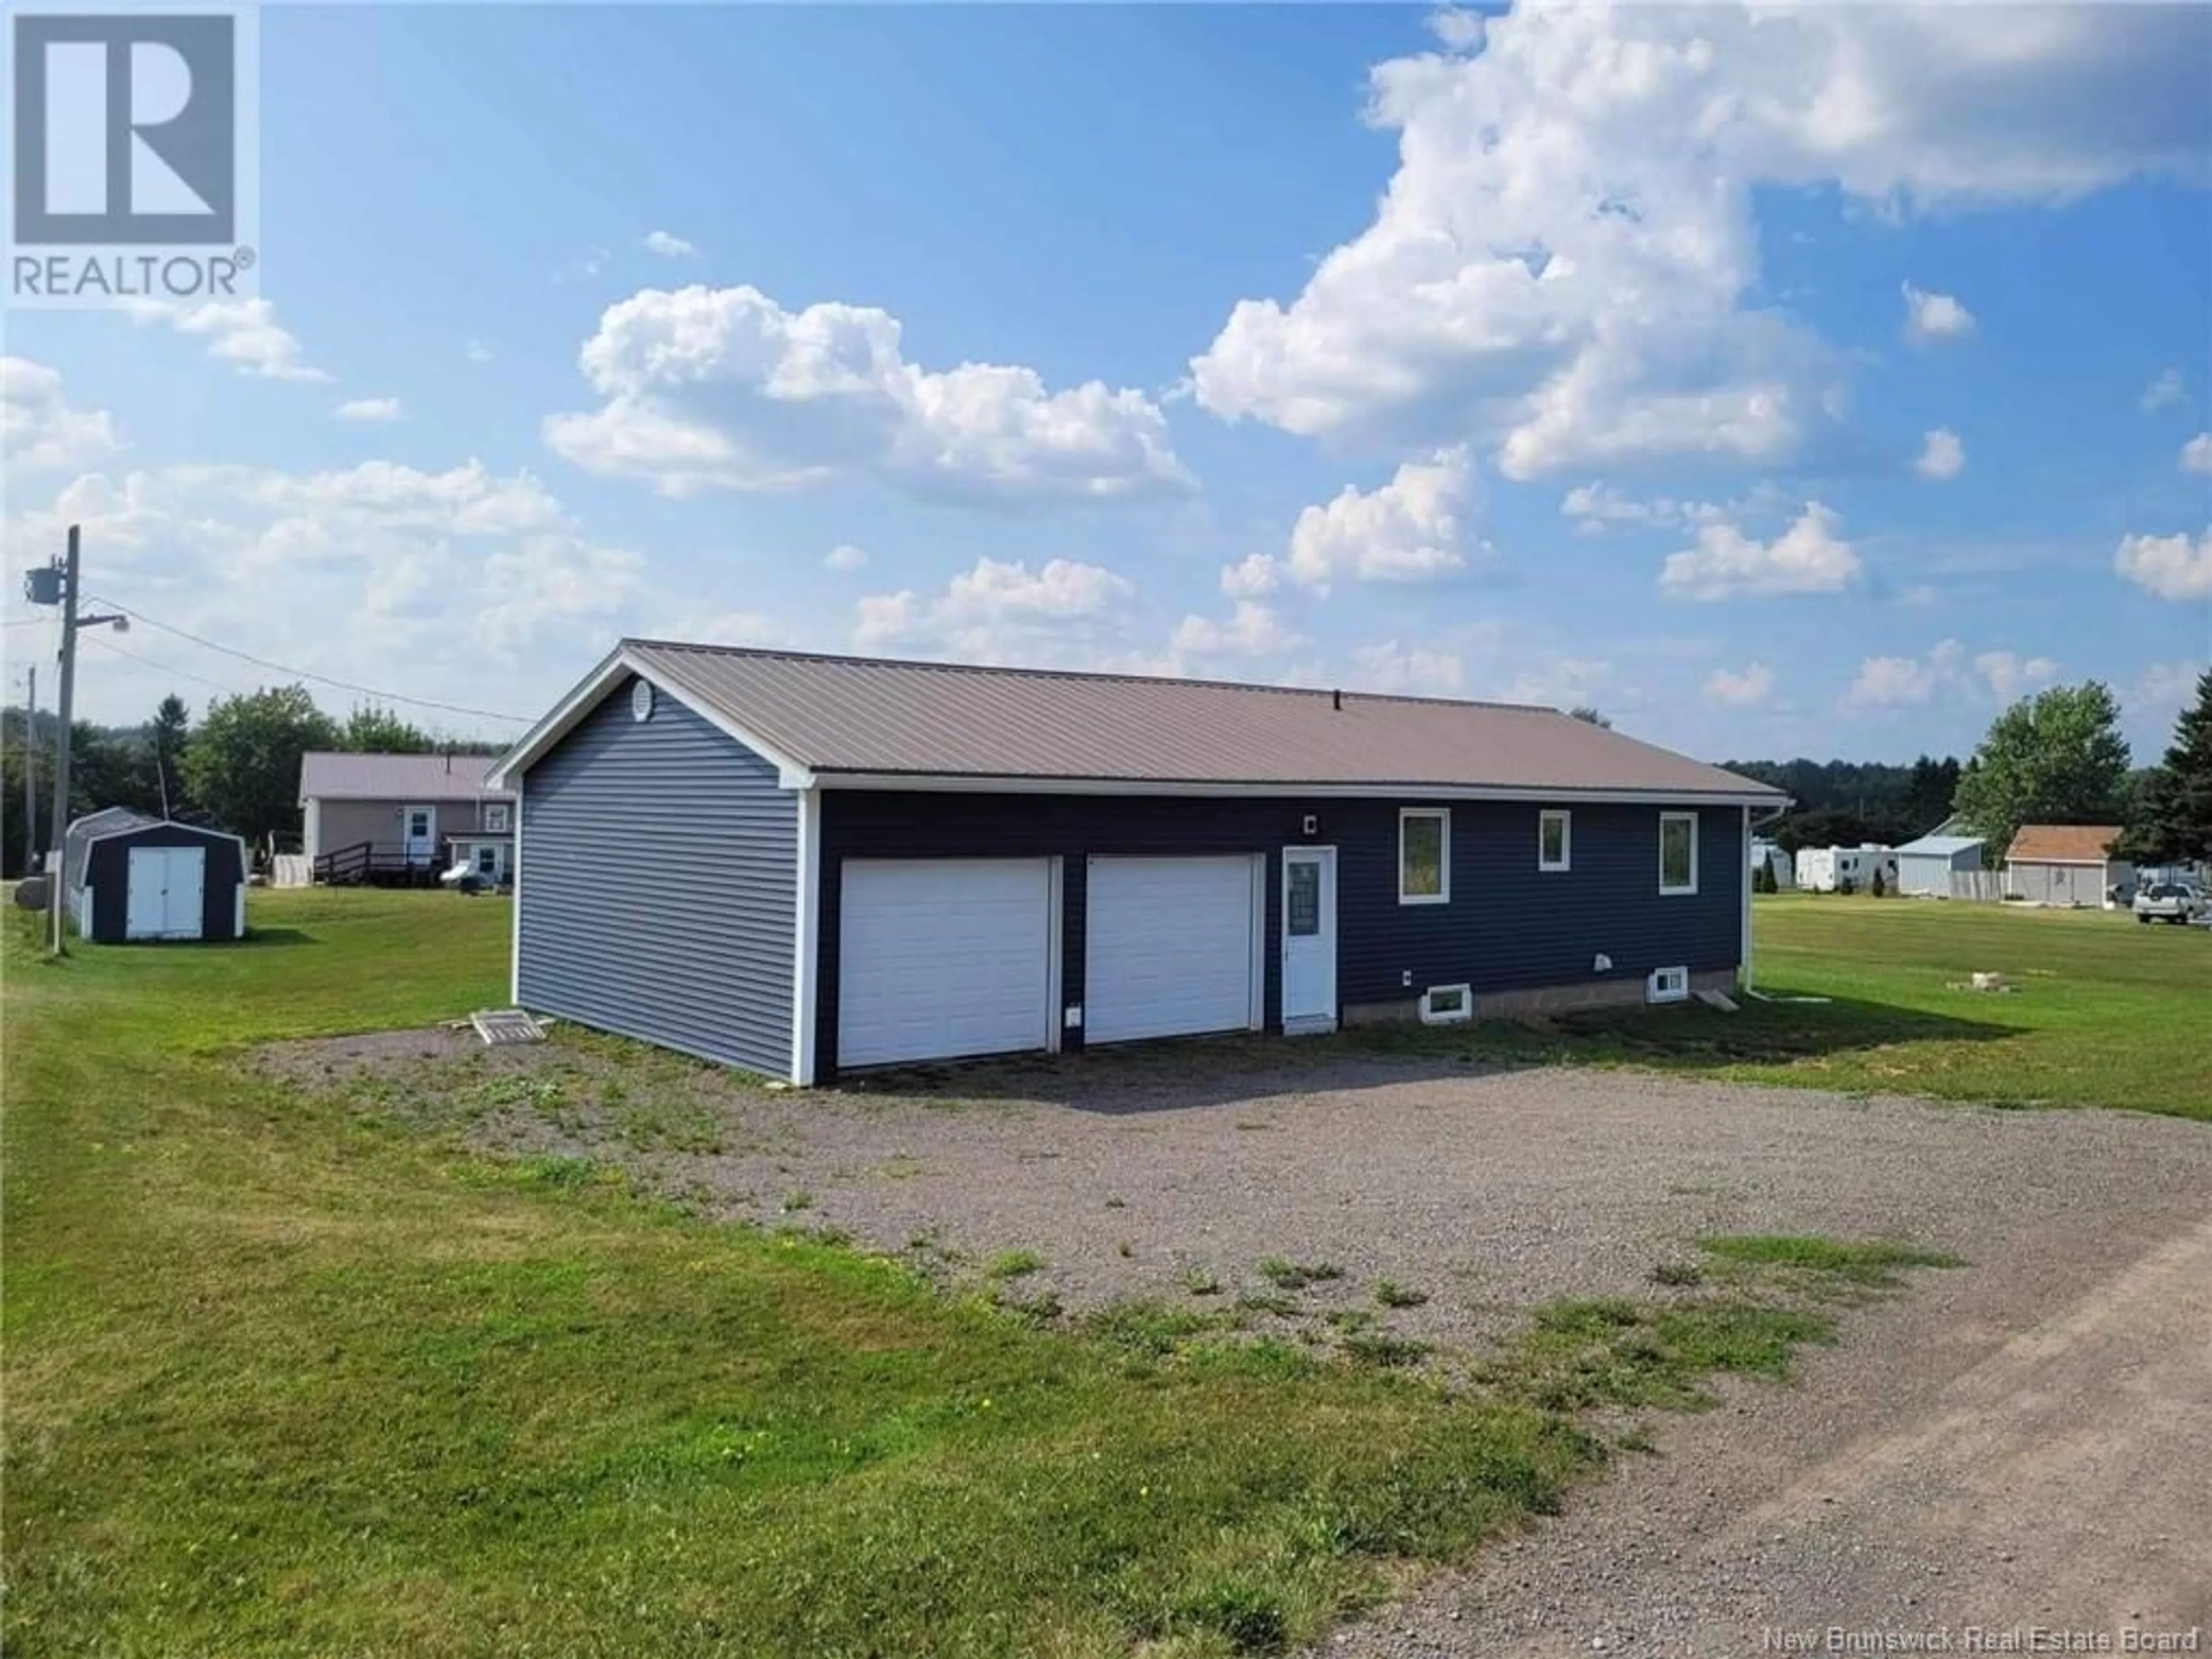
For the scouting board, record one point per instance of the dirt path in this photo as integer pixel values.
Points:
(2050, 1475)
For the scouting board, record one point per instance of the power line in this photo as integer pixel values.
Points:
(102, 640)
(308, 674)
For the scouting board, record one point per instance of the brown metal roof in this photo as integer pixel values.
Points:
(2063, 843)
(329, 774)
(852, 714)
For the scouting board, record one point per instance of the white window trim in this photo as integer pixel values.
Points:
(1442, 815)
(1690, 818)
(1463, 996)
(1566, 859)
(495, 819)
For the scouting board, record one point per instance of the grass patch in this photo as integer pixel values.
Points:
(1012, 1264)
(1286, 1275)
(275, 1365)
(1391, 1294)
(1872, 1264)
(1678, 1275)
(2094, 983)
(1385, 1348)
(1200, 1281)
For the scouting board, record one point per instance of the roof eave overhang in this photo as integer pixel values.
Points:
(983, 783)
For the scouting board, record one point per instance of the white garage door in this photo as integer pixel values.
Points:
(938, 957)
(1167, 946)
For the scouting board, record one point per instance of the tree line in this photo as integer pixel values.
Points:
(236, 768)
(2055, 758)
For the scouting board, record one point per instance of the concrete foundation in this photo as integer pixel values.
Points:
(1619, 992)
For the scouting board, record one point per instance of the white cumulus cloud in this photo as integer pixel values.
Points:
(1066, 612)
(1810, 557)
(1545, 272)
(2196, 453)
(1252, 630)
(244, 333)
(1946, 671)
(668, 245)
(1932, 317)
(1942, 456)
(845, 556)
(722, 388)
(1407, 670)
(1412, 529)
(368, 408)
(39, 431)
(2173, 567)
(1744, 689)
(2168, 389)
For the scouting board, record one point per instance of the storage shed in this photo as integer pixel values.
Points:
(1926, 866)
(800, 863)
(159, 880)
(2067, 864)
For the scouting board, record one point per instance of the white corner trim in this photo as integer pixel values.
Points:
(514, 922)
(1444, 855)
(1743, 947)
(805, 942)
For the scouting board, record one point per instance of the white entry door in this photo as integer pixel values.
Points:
(168, 888)
(940, 958)
(1309, 939)
(1171, 947)
(418, 836)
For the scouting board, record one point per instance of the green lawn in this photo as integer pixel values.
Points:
(2106, 1013)
(283, 1377)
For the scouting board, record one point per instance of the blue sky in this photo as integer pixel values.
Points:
(1813, 385)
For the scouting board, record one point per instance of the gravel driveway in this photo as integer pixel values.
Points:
(1143, 1173)
(2024, 1442)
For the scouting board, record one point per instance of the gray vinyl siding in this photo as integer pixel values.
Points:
(658, 898)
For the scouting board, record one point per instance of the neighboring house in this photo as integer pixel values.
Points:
(1779, 863)
(1825, 869)
(794, 863)
(403, 817)
(2066, 864)
(1926, 866)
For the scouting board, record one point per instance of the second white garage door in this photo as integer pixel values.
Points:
(939, 957)
(1169, 947)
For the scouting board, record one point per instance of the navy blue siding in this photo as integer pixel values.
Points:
(1508, 926)
(657, 894)
(108, 873)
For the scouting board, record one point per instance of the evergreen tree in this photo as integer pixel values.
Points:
(2172, 823)
(167, 733)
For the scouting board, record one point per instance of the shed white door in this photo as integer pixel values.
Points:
(166, 890)
(1170, 947)
(940, 958)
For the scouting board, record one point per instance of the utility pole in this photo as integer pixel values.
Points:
(31, 775)
(56, 583)
(65, 710)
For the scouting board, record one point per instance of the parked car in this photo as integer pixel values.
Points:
(2168, 901)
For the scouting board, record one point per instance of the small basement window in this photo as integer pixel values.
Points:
(1668, 985)
(1425, 855)
(1447, 1005)
(1678, 853)
(1554, 840)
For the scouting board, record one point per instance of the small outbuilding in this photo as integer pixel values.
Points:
(151, 880)
(2067, 864)
(1926, 866)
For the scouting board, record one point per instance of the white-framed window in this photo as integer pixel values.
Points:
(1678, 853)
(495, 816)
(1425, 855)
(1555, 840)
